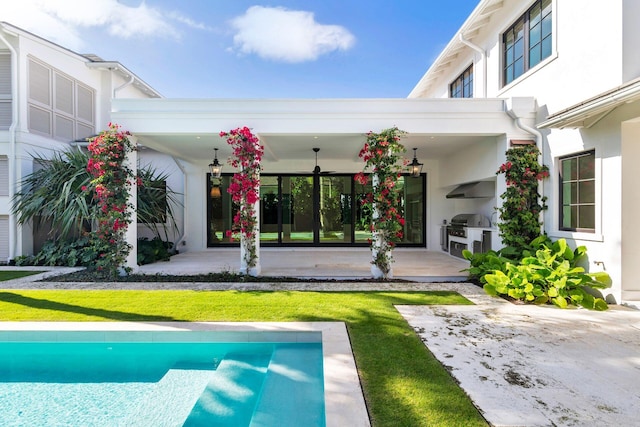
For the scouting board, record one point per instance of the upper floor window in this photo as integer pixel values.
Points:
(527, 41)
(60, 107)
(578, 192)
(462, 87)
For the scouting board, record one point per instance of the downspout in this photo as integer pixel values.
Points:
(483, 56)
(13, 227)
(122, 86)
(538, 136)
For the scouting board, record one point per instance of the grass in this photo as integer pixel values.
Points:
(404, 385)
(8, 275)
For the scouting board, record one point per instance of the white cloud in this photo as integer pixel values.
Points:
(287, 35)
(62, 20)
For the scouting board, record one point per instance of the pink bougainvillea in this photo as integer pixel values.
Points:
(382, 154)
(111, 179)
(245, 186)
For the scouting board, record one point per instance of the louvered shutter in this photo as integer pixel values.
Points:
(85, 104)
(39, 83)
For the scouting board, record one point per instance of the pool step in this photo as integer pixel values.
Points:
(171, 399)
(289, 395)
(230, 397)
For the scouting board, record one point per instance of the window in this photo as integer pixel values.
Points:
(527, 41)
(578, 192)
(462, 87)
(59, 106)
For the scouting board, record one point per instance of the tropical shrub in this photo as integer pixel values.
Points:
(522, 204)
(82, 251)
(53, 193)
(547, 272)
(150, 251)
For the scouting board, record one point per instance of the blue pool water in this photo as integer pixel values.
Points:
(191, 383)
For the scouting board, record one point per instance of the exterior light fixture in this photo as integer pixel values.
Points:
(215, 192)
(415, 167)
(215, 167)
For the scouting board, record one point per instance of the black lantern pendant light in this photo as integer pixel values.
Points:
(415, 167)
(215, 167)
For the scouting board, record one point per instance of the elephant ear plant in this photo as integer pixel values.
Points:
(547, 272)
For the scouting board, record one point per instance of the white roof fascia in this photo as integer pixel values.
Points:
(125, 73)
(482, 12)
(590, 111)
(138, 82)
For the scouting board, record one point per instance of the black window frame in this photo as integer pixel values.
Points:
(464, 82)
(579, 203)
(528, 26)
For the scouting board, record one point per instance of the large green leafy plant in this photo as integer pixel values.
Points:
(547, 272)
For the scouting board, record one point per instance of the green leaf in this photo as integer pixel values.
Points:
(467, 254)
(602, 278)
(541, 300)
(528, 287)
(600, 305)
(552, 292)
(490, 289)
(560, 302)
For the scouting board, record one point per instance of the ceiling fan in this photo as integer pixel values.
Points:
(316, 169)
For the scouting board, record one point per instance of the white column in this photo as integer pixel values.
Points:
(131, 236)
(247, 245)
(378, 241)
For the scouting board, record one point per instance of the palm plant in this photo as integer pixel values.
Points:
(54, 194)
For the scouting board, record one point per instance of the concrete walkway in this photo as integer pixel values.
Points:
(521, 365)
(526, 365)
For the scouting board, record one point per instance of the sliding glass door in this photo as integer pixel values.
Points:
(319, 210)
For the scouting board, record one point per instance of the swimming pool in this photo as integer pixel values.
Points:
(236, 374)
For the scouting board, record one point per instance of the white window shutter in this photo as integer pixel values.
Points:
(64, 94)
(4, 176)
(39, 83)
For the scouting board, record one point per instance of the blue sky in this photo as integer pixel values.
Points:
(253, 48)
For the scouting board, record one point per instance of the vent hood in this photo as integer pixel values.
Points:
(474, 190)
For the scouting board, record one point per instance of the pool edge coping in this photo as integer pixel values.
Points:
(344, 399)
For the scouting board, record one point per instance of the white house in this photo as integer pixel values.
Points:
(52, 99)
(579, 61)
(561, 74)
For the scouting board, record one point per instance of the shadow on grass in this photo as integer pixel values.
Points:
(44, 304)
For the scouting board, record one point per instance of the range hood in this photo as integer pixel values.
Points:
(474, 190)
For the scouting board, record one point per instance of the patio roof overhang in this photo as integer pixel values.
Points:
(289, 128)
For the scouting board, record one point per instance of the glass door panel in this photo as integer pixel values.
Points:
(220, 210)
(363, 214)
(413, 203)
(269, 209)
(335, 209)
(297, 209)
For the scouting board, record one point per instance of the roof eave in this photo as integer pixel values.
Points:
(589, 112)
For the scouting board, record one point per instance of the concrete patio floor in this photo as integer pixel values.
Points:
(321, 263)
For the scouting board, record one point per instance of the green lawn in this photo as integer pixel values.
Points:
(8, 275)
(404, 384)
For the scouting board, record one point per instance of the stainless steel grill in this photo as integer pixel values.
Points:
(458, 239)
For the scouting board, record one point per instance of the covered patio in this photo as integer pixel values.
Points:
(414, 264)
